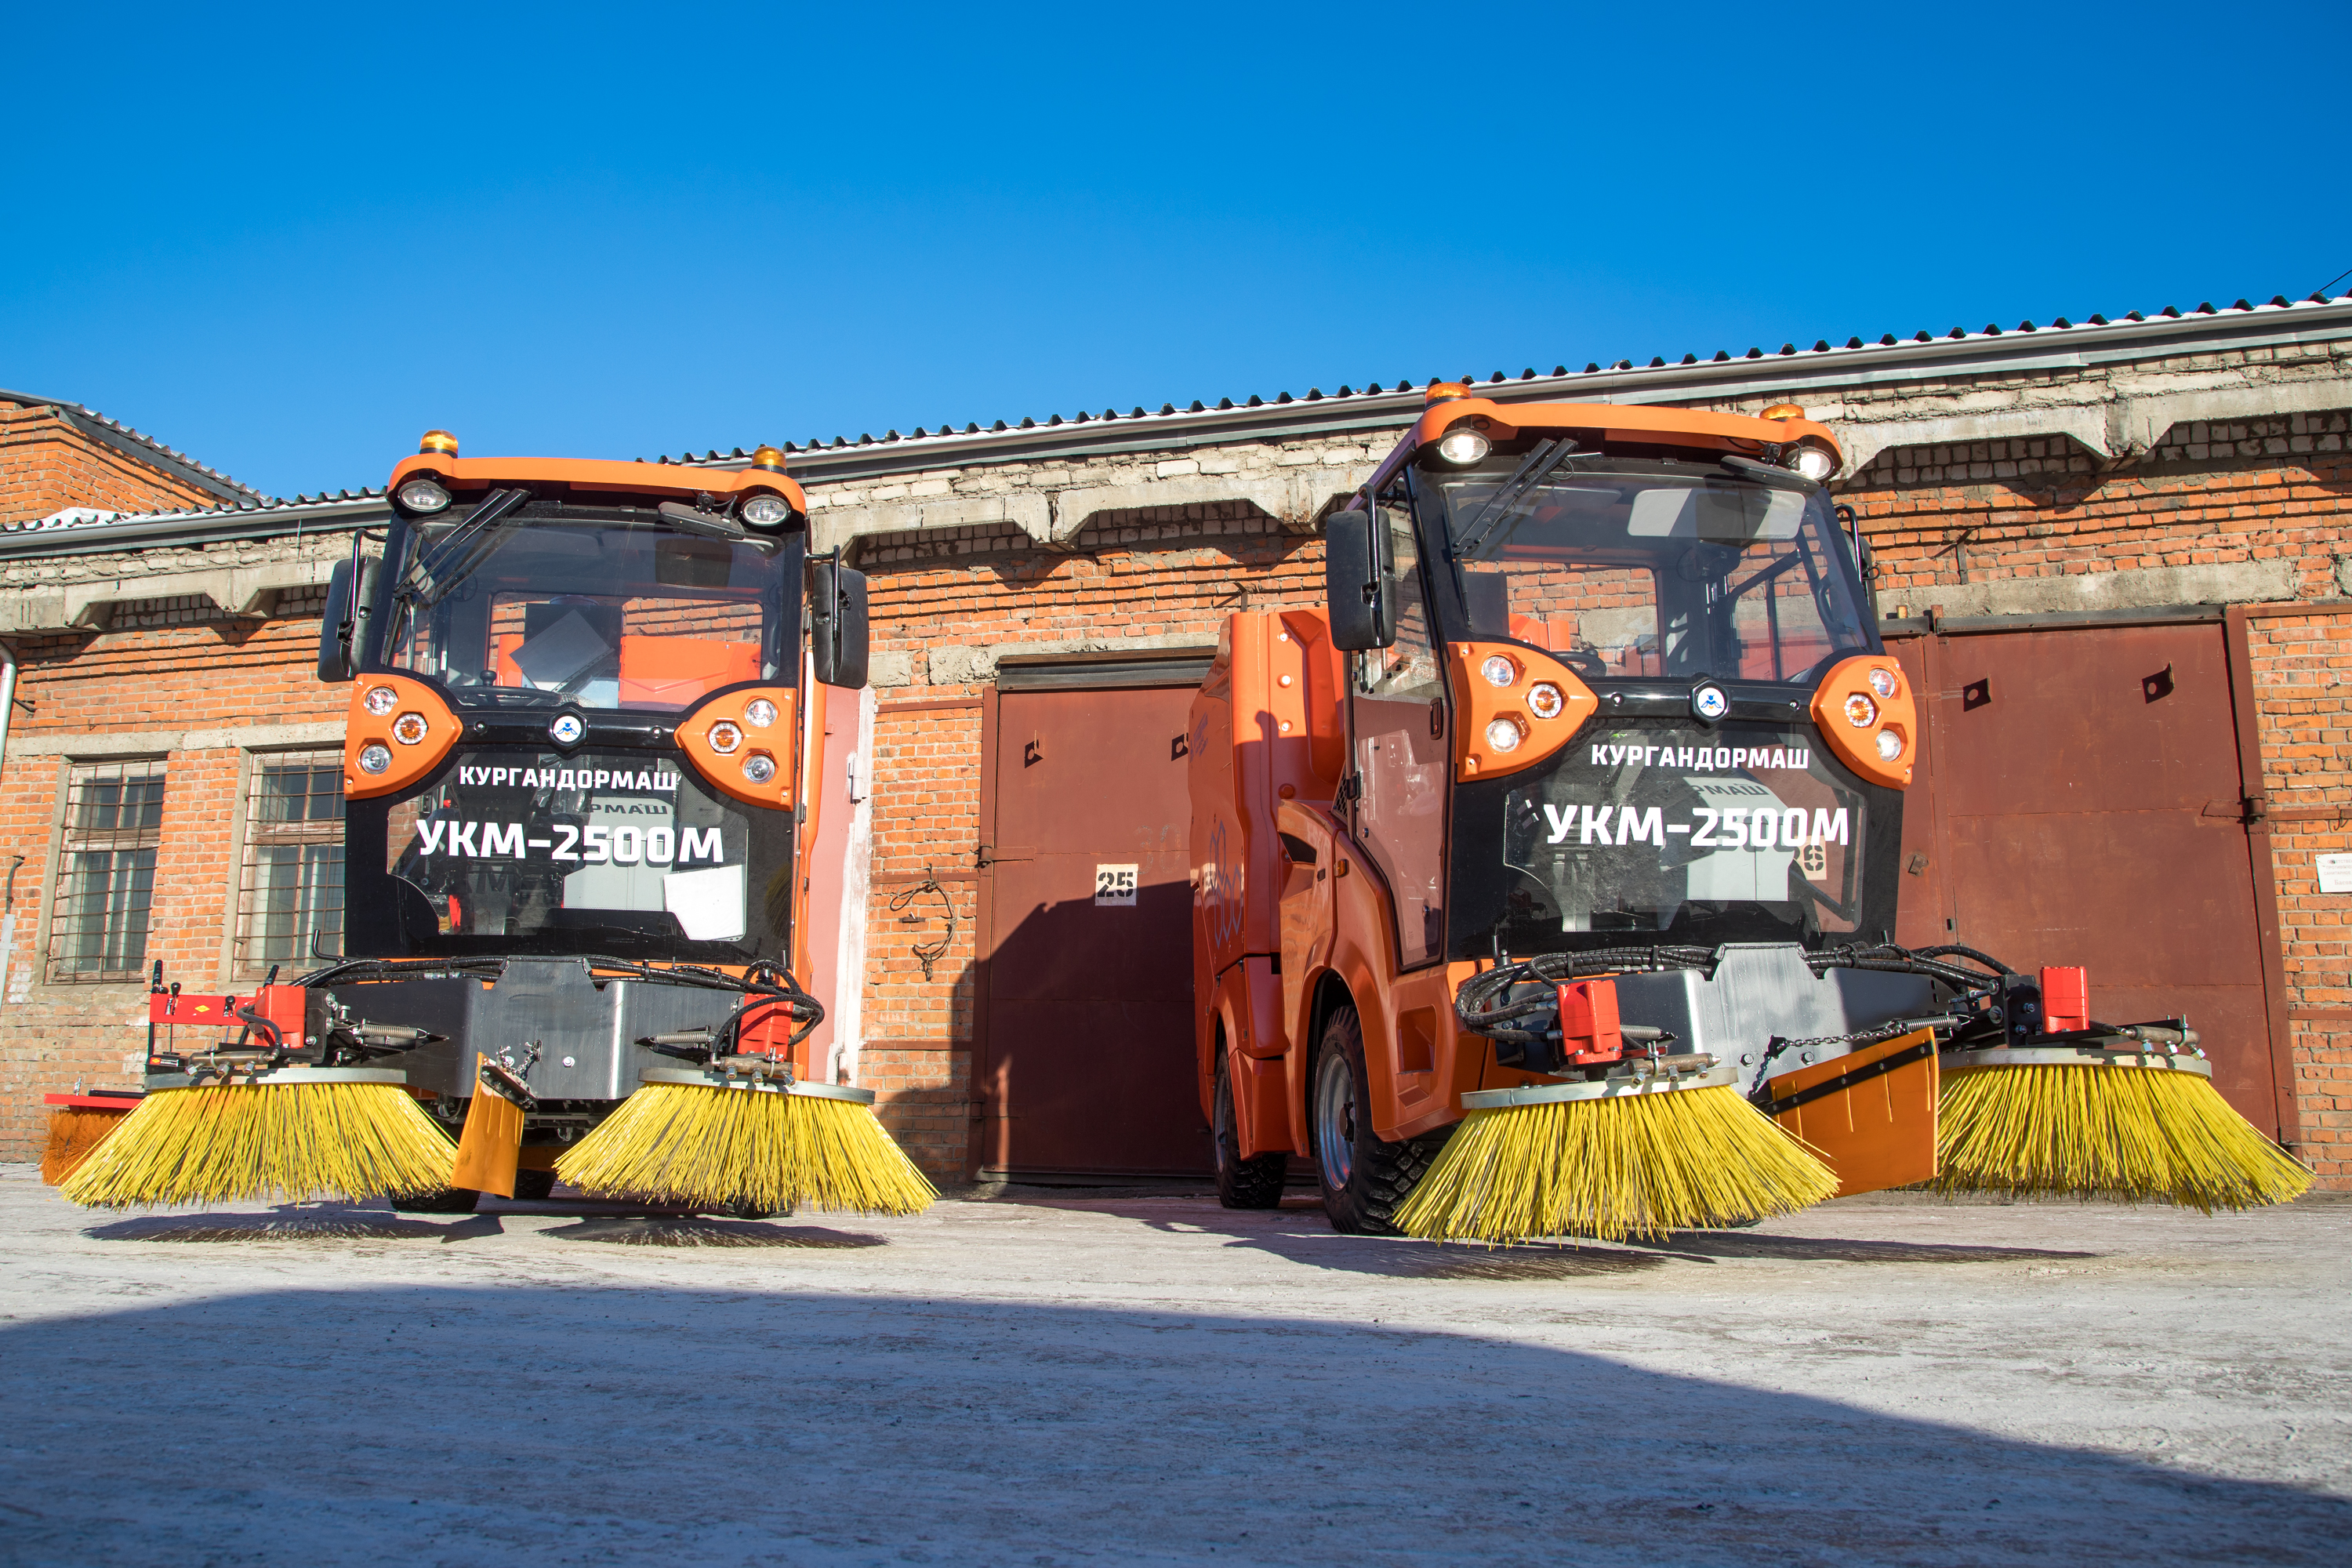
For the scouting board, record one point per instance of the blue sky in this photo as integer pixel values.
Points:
(289, 239)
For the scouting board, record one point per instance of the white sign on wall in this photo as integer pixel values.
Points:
(2335, 873)
(1115, 884)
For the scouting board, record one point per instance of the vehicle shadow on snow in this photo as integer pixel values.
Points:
(1297, 1233)
(486, 1425)
(697, 1231)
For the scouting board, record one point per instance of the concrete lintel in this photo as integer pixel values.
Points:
(1296, 500)
(838, 526)
(2137, 423)
(160, 742)
(958, 665)
(2136, 588)
(2087, 423)
(238, 590)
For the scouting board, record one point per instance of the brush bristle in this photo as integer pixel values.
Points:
(1634, 1167)
(75, 1131)
(221, 1143)
(715, 1148)
(2134, 1133)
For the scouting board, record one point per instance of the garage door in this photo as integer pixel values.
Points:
(1086, 1039)
(2083, 803)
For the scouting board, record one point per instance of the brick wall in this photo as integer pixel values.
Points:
(47, 465)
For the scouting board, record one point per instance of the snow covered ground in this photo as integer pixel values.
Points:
(1057, 1379)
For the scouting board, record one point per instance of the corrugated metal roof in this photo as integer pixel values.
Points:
(2056, 343)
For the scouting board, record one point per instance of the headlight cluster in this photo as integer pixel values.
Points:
(1507, 732)
(1862, 713)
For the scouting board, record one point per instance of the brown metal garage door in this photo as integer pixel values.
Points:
(2084, 802)
(1086, 1039)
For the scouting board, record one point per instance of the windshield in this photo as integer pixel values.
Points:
(1633, 568)
(604, 610)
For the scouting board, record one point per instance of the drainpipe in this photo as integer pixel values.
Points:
(7, 696)
(8, 916)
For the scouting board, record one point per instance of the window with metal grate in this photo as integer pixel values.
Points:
(114, 821)
(291, 890)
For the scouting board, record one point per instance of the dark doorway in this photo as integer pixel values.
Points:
(2082, 800)
(1087, 1064)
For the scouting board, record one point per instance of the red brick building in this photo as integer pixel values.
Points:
(2111, 553)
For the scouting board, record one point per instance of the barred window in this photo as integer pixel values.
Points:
(290, 898)
(114, 820)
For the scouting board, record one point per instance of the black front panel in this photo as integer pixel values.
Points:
(1645, 831)
(516, 850)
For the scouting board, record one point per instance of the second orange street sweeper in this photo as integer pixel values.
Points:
(580, 799)
(1545, 878)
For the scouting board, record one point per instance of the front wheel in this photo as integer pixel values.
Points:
(1252, 1183)
(1363, 1176)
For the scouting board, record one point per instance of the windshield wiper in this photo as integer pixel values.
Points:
(1533, 469)
(465, 547)
(1765, 473)
(693, 519)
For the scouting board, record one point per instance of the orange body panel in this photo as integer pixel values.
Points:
(410, 764)
(1619, 422)
(1879, 1133)
(458, 474)
(723, 770)
(1478, 702)
(1857, 747)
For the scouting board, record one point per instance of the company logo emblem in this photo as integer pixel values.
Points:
(566, 729)
(1709, 703)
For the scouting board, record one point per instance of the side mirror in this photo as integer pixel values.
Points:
(1359, 588)
(838, 622)
(350, 595)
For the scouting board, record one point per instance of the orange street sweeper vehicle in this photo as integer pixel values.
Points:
(578, 807)
(1583, 792)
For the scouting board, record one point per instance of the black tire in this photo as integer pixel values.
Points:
(1363, 1176)
(1252, 1183)
(534, 1187)
(448, 1200)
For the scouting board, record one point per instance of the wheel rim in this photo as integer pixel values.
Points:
(1335, 1122)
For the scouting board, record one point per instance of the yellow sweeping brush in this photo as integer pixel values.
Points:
(2082, 1122)
(749, 1144)
(297, 1134)
(1611, 1163)
(77, 1127)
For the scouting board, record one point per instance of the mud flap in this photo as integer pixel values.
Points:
(491, 1143)
(1871, 1114)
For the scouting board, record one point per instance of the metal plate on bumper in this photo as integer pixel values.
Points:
(759, 1085)
(1604, 1089)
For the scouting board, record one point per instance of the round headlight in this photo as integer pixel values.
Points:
(409, 729)
(1462, 445)
(1861, 711)
(423, 495)
(1499, 670)
(1890, 745)
(1546, 700)
(767, 511)
(725, 736)
(1882, 682)
(374, 757)
(1503, 734)
(759, 767)
(758, 712)
(1814, 463)
(380, 700)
